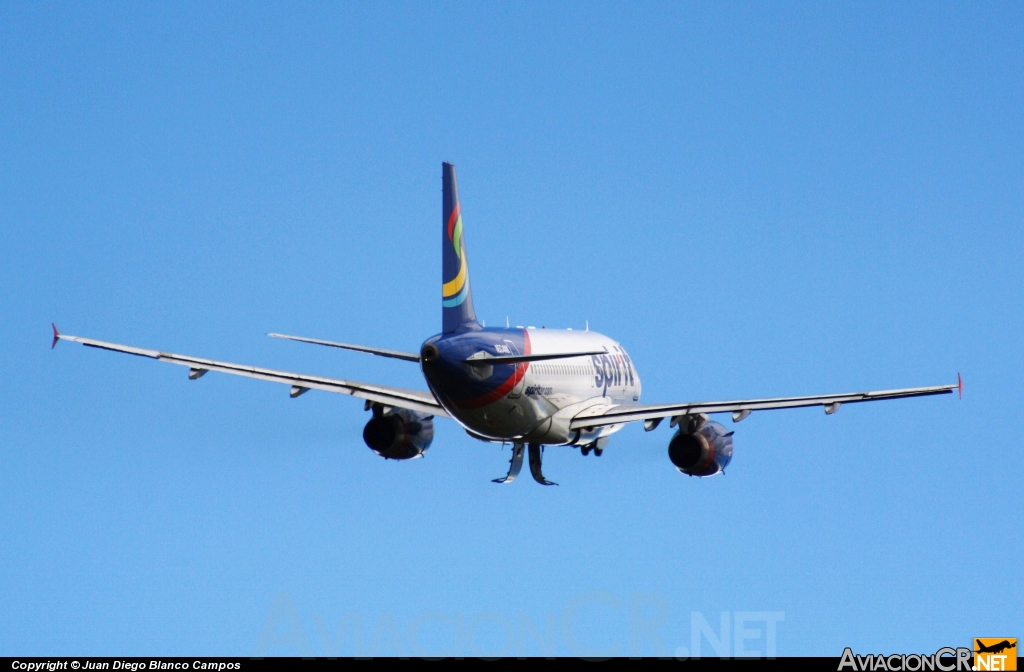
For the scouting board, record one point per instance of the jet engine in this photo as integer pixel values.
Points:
(399, 435)
(704, 450)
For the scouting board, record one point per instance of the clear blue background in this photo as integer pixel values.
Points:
(755, 199)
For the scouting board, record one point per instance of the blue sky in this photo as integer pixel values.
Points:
(755, 199)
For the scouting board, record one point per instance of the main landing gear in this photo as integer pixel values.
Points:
(597, 445)
(516, 464)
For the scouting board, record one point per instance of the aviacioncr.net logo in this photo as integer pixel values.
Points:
(946, 659)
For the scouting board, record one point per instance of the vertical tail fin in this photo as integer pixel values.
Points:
(456, 296)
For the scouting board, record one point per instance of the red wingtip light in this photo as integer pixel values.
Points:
(959, 386)
(56, 336)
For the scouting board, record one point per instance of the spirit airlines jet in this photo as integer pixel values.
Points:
(525, 386)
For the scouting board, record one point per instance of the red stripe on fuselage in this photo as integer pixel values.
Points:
(502, 390)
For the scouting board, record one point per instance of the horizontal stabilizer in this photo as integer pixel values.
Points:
(516, 359)
(380, 352)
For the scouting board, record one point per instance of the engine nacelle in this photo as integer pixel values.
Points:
(400, 435)
(703, 452)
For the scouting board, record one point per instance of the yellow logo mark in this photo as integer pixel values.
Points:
(995, 653)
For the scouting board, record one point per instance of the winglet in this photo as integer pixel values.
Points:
(56, 336)
(959, 386)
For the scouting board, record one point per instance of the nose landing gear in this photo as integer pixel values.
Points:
(516, 463)
(536, 451)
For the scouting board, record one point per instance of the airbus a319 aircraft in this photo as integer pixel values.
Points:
(525, 386)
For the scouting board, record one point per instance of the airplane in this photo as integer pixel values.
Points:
(525, 386)
(998, 647)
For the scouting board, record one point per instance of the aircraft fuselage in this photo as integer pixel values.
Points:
(531, 401)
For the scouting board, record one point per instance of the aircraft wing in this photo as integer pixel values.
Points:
(424, 402)
(602, 415)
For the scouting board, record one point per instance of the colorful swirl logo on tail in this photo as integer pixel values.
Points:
(454, 291)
